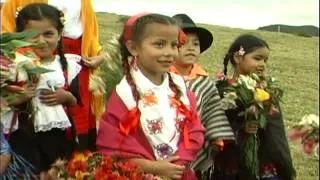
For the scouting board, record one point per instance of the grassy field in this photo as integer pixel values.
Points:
(293, 60)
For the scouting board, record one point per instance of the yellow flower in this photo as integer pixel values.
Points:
(261, 95)
(80, 175)
(79, 157)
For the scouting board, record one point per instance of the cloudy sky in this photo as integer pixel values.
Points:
(246, 14)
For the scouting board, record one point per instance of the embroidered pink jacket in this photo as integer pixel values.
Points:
(111, 141)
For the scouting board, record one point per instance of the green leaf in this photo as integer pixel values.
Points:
(38, 70)
(25, 35)
(262, 121)
(13, 44)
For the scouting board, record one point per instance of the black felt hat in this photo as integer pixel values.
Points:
(187, 25)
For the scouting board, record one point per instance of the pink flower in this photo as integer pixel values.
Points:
(220, 76)
(295, 134)
(308, 147)
(241, 51)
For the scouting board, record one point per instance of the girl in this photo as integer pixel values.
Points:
(12, 165)
(249, 54)
(80, 36)
(41, 136)
(155, 123)
(212, 116)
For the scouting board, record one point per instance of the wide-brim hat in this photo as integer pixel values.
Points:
(188, 26)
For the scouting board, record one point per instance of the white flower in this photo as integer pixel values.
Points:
(231, 95)
(310, 119)
(255, 76)
(249, 82)
(18, 69)
(228, 101)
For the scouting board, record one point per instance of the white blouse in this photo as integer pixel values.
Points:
(159, 120)
(72, 13)
(48, 117)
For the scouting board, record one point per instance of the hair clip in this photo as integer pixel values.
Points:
(241, 51)
(62, 19)
(18, 11)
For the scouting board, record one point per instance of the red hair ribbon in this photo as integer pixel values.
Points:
(127, 31)
(131, 121)
(189, 118)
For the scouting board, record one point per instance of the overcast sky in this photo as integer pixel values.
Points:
(246, 14)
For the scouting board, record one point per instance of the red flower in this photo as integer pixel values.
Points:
(100, 167)
(308, 147)
(126, 166)
(25, 50)
(296, 134)
(100, 174)
(77, 163)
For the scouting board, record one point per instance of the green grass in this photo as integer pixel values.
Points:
(294, 61)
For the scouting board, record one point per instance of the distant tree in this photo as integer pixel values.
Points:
(302, 34)
(301, 30)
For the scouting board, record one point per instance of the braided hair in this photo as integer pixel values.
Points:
(41, 11)
(138, 29)
(248, 42)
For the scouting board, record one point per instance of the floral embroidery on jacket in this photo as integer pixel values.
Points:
(164, 150)
(149, 99)
(155, 126)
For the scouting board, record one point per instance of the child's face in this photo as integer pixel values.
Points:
(48, 35)
(190, 51)
(157, 50)
(254, 62)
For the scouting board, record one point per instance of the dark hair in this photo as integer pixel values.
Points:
(138, 29)
(41, 11)
(248, 42)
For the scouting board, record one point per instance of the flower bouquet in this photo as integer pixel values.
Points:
(93, 165)
(307, 132)
(259, 98)
(22, 64)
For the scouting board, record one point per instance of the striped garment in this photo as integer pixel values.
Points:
(213, 118)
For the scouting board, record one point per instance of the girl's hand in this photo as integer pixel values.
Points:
(92, 62)
(251, 127)
(59, 96)
(27, 93)
(164, 168)
(168, 169)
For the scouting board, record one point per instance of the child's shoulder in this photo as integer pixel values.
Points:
(177, 79)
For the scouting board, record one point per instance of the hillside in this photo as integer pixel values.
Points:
(298, 30)
(294, 61)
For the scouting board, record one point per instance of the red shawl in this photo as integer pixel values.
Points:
(111, 141)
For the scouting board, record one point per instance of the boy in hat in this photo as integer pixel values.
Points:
(196, 40)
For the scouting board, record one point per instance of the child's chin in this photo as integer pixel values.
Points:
(43, 54)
